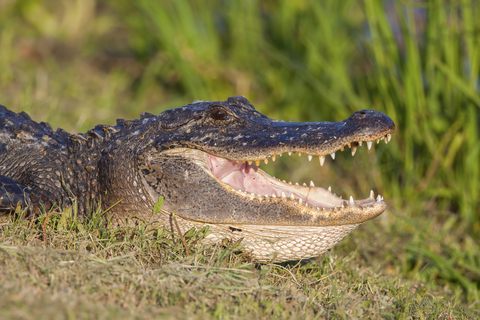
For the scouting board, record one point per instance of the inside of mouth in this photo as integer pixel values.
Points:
(251, 179)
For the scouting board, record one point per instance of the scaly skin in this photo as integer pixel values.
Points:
(203, 159)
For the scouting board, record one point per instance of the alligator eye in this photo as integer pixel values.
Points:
(218, 114)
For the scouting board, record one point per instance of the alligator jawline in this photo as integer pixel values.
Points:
(249, 181)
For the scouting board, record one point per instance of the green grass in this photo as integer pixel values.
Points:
(80, 63)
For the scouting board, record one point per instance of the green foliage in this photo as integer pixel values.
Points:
(80, 63)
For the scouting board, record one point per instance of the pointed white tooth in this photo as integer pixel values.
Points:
(274, 195)
(283, 195)
(389, 137)
(322, 160)
(289, 182)
(273, 158)
(300, 200)
(369, 144)
(304, 184)
(259, 195)
(354, 149)
(253, 194)
(289, 153)
(312, 184)
(310, 157)
(372, 194)
(291, 196)
(329, 189)
(379, 198)
(351, 201)
(378, 141)
(284, 181)
(342, 206)
(332, 155)
(360, 143)
(281, 154)
(306, 204)
(265, 161)
(299, 154)
(318, 208)
(296, 183)
(266, 196)
(324, 209)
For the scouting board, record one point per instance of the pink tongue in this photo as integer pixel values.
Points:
(245, 177)
(239, 175)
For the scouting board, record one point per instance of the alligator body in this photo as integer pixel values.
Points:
(203, 160)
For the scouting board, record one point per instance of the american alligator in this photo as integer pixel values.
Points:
(203, 160)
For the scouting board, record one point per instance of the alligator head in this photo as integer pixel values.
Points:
(203, 159)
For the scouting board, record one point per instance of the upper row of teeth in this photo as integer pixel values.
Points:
(321, 159)
(351, 202)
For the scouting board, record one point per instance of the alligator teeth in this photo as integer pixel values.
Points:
(329, 189)
(249, 162)
(283, 195)
(273, 158)
(310, 156)
(274, 195)
(318, 208)
(289, 182)
(296, 183)
(289, 153)
(265, 161)
(299, 154)
(300, 200)
(322, 160)
(291, 196)
(354, 149)
(257, 163)
(312, 184)
(379, 198)
(351, 202)
(332, 155)
(360, 143)
(304, 184)
(266, 196)
(372, 194)
(369, 144)
(388, 137)
(378, 141)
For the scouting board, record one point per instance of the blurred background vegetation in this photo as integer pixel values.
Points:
(79, 63)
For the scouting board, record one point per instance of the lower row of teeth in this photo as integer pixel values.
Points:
(350, 203)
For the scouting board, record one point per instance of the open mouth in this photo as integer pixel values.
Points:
(248, 180)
